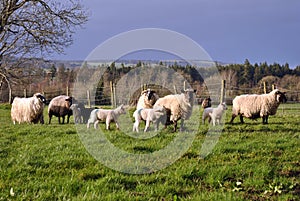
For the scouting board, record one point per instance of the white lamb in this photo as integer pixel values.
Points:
(178, 106)
(28, 110)
(107, 116)
(147, 99)
(149, 115)
(205, 114)
(76, 113)
(254, 106)
(217, 113)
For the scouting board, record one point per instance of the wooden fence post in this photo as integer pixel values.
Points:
(88, 98)
(223, 90)
(67, 90)
(25, 93)
(114, 95)
(265, 88)
(111, 94)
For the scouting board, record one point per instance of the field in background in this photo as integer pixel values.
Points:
(251, 161)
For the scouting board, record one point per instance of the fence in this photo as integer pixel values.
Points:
(111, 95)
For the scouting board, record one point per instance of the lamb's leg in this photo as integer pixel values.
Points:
(147, 125)
(136, 125)
(96, 124)
(181, 125)
(265, 119)
(68, 119)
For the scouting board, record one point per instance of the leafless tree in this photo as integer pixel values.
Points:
(30, 27)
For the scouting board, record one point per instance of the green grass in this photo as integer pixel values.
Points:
(251, 161)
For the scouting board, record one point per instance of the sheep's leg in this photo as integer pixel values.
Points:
(68, 119)
(50, 116)
(232, 118)
(265, 119)
(241, 119)
(175, 126)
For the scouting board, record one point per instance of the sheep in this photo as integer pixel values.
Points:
(76, 113)
(28, 110)
(253, 106)
(178, 106)
(107, 115)
(217, 113)
(149, 115)
(60, 107)
(205, 114)
(147, 99)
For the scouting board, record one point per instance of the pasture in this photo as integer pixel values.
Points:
(251, 161)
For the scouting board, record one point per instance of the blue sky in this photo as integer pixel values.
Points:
(229, 30)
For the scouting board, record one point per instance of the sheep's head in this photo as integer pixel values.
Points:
(206, 103)
(40, 97)
(280, 96)
(150, 96)
(189, 95)
(68, 101)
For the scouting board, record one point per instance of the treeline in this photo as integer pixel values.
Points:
(57, 79)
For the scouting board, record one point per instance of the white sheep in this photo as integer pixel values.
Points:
(60, 107)
(28, 110)
(205, 114)
(178, 106)
(106, 115)
(254, 106)
(147, 99)
(217, 113)
(76, 113)
(149, 115)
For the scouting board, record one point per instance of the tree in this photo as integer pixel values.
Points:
(30, 27)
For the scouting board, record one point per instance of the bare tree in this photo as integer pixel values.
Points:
(30, 27)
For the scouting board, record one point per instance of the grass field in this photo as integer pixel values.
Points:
(251, 161)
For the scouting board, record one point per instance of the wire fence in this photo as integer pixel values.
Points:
(112, 95)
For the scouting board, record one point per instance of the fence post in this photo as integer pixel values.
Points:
(25, 93)
(114, 94)
(184, 85)
(67, 90)
(88, 98)
(265, 88)
(273, 87)
(222, 97)
(175, 90)
(111, 94)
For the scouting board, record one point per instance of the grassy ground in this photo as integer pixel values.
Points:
(251, 161)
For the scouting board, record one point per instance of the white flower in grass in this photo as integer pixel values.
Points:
(11, 192)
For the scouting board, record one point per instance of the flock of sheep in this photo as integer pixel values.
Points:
(150, 108)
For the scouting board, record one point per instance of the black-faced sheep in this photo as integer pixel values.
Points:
(206, 103)
(60, 107)
(28, 110)
(178, 106)
(155, 115)
(253, 106)
(106, 115)
(147, 99)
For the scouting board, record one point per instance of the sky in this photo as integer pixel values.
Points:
(230, 31)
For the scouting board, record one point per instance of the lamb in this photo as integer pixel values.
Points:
(217, 113)
(76, 113)
(178, 106)
(28, 110)
(107, 115)
(147, 99)
(254, 106)
(205, 114)
(85, 112)
(60, 107)
(149, 115)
